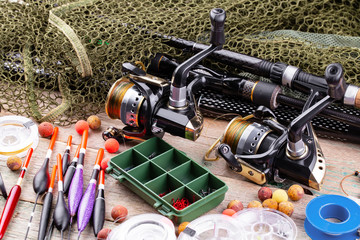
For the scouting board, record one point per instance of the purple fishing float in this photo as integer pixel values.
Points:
(87, 202)
(76, 186)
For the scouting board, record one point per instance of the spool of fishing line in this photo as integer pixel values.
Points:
(266, 224)
(17, 135)
(145, 226)
(124, 101)
(321, 213)
(213, 227)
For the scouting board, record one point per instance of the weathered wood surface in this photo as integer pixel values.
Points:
(342, 159)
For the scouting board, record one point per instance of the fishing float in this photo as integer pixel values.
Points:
(71, 170)
(13, 197)
(47, 204)
(76, 186)
(87, 201)
(3, 188)
(67, 181)
(66, 156)
(42, 177)
(99, 207)
(61, 212)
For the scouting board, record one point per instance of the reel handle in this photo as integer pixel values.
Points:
(334, 74)
(336, 90)
(217, 18)
(225, 152)
(177, 98)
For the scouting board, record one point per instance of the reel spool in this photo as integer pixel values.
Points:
(266, 224)
(244, 137)
(213, 227)
(17, 135)
(248, 138)
(125, 102)
(145, 226)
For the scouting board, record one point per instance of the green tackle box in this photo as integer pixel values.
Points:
(161, 175)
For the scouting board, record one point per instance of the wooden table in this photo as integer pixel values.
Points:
(342, 159)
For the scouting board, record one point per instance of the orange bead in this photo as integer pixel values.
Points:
(119, 213)
(111, 145)
(270, 203)
(46, 129)
(254, 204)
(264, 193)
(236, 205)
(94, 122)
(229, 212)
(295, 192)
(14, 163)
(80, 126)
(103, 234)
(287, 208)
(104, 163)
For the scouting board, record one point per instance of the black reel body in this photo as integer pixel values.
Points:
(291, 152)
(140, 102)
(258, 151)
(150, 105)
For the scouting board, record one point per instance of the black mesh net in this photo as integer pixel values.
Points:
(59, 58)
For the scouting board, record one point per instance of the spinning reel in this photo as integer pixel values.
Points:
(263, 150)
(149, 105)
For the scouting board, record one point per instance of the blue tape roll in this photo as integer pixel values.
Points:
(332, 206)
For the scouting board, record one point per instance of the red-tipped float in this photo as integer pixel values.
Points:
(13, 197)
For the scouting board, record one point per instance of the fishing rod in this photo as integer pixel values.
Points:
(41, 179)
(99, 207)
(129, 93)
(66, 156)
(13, 197)
(77, 183)
(47, 204)
(87, 201)
(61, 212)
(257, 92)
(280, 73)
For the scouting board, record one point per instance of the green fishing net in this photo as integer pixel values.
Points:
(58, 59)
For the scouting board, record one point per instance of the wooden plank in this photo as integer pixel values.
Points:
(342, 159)
(116, 193)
